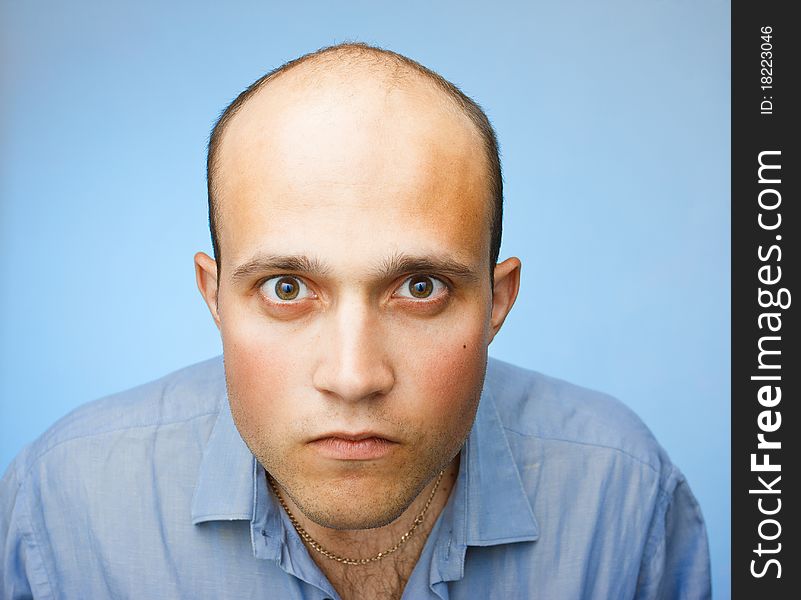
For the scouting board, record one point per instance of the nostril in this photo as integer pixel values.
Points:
(355, 382)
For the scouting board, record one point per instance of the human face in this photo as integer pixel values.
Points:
(354, 300)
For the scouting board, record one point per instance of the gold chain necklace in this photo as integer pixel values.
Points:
(354, 561)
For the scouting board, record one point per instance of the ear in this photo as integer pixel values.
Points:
(507, 284)
(206, 275)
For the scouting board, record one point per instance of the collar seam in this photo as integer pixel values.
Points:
(587, 444)
(36, 458)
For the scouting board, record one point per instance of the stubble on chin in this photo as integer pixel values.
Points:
(369, 502)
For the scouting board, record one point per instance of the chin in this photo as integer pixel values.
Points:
(347, 510)
(351, 520)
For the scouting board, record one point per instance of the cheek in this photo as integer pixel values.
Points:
(261, 370)
(444, 371)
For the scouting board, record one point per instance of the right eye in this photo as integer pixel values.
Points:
(285, 288)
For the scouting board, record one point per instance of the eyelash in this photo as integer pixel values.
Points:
(263, 282)
(445, 294)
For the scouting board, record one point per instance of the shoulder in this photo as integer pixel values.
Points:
(533, 405)
(118, 468)
(179, 397)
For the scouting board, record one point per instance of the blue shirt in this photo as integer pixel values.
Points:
(562, 493)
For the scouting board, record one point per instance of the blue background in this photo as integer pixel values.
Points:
(613, 119)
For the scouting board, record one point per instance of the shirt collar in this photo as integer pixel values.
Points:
(490, 505)
(497, 508)
(225, 484)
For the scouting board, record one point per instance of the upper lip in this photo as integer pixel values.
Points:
(353, 436)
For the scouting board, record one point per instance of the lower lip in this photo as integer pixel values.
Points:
(341, 449)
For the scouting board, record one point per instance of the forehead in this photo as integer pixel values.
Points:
(315, 162)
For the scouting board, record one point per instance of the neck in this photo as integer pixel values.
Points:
(367, 543)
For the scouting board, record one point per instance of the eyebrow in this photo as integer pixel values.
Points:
(400, 264)
(390, 268)
(272, 262)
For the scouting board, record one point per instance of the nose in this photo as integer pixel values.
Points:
(352, 360)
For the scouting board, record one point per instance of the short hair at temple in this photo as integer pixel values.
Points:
(363, 52)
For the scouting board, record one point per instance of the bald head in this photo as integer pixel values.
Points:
(341, 101)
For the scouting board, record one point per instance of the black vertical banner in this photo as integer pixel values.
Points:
(766, 368)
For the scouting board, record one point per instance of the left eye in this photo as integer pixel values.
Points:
(421, 287)
(285, 289)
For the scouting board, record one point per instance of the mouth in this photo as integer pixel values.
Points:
(353, 446)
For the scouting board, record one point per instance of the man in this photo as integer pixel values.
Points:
(354, 442)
